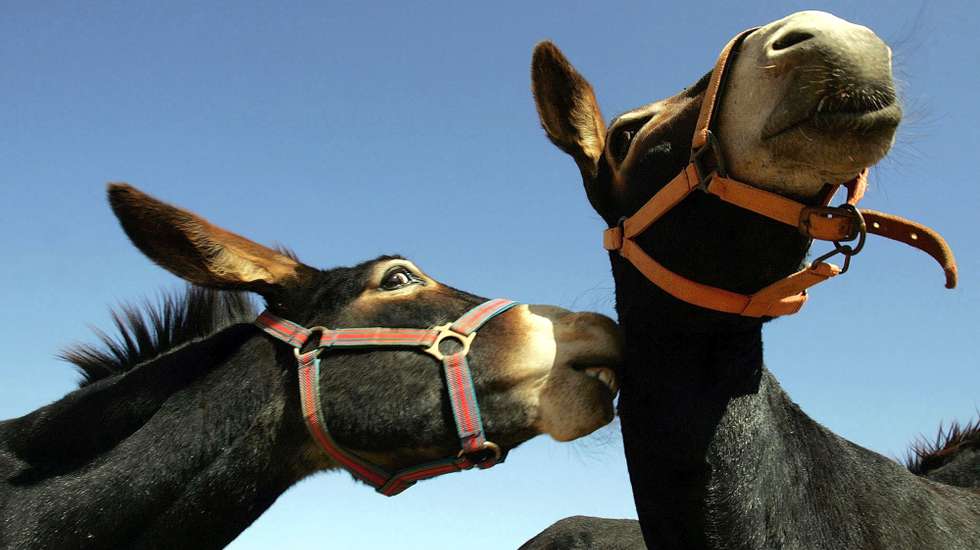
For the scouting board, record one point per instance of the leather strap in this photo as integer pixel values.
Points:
(837, 224)
(914, 234)
(715, 87)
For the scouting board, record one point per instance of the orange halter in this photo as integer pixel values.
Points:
(845, 223)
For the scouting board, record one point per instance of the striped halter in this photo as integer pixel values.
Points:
(475, 449)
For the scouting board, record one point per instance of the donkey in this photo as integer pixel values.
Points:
(719, 456)
(187, 429)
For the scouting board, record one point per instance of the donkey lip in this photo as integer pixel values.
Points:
(863, 122)
(871, 119)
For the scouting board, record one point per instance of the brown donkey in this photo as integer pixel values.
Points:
(719, 456)
(191, 426)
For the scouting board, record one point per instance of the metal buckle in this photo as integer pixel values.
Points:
(696, 158)
(830, 212)
(445, 333)
(487, 447)
(621, 225)
(845, 249)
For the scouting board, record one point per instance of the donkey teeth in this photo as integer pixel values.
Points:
(605, 376)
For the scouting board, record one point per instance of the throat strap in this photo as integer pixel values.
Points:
(476, 450)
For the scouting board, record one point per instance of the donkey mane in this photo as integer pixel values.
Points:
(926, 456)
(150, 330)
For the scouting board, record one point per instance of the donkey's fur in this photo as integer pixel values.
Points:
(719, 456)
(950, 458)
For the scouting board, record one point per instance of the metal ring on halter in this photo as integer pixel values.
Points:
(447, 333)
(487, 446)
(713, 146)
(845, 249)
(309, 338)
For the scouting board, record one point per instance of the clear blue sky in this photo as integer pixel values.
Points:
(347, 130)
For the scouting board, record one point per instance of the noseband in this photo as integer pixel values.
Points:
(706, 173)
(475, 449)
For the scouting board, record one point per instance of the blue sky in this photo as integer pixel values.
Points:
(346, 130)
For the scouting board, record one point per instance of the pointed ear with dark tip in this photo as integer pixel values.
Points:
(567, 108)
(193, 249)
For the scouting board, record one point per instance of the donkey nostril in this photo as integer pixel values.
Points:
(791, 38)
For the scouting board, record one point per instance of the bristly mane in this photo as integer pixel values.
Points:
(151, 330)
(926, 456)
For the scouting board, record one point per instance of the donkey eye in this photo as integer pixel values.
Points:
(621, 144)
(398, 278)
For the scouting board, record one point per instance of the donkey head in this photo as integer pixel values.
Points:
(536, 369)
(808, 100)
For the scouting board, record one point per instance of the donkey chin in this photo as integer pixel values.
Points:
(569, 369)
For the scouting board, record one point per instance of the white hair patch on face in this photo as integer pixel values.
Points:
(539, 348)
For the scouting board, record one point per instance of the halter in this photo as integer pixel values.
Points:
(475, 449)
(841, 224)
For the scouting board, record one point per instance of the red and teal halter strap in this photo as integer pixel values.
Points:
(459, 382)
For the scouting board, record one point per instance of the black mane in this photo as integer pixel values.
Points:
(926, 456)
(150, 330)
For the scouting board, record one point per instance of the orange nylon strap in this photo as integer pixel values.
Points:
(714, 87)
(784, 297)
(825, 224)
(757, 200)
(818, 223)
(674, 192)
(787, 295)
(779, 297)
(680, 287)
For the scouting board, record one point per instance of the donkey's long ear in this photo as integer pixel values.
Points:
(567, 108)
(190, 247)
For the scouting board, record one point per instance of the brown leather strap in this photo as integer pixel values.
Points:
(714, 87)
(856, 188)
(914, 234)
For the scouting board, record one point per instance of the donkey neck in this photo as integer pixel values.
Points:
(206, 445)
(720, 457)
(689, 378)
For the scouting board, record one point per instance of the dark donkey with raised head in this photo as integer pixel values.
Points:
(188, 429)
(719, 456)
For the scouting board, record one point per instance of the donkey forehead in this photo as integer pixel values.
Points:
(656, 110)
